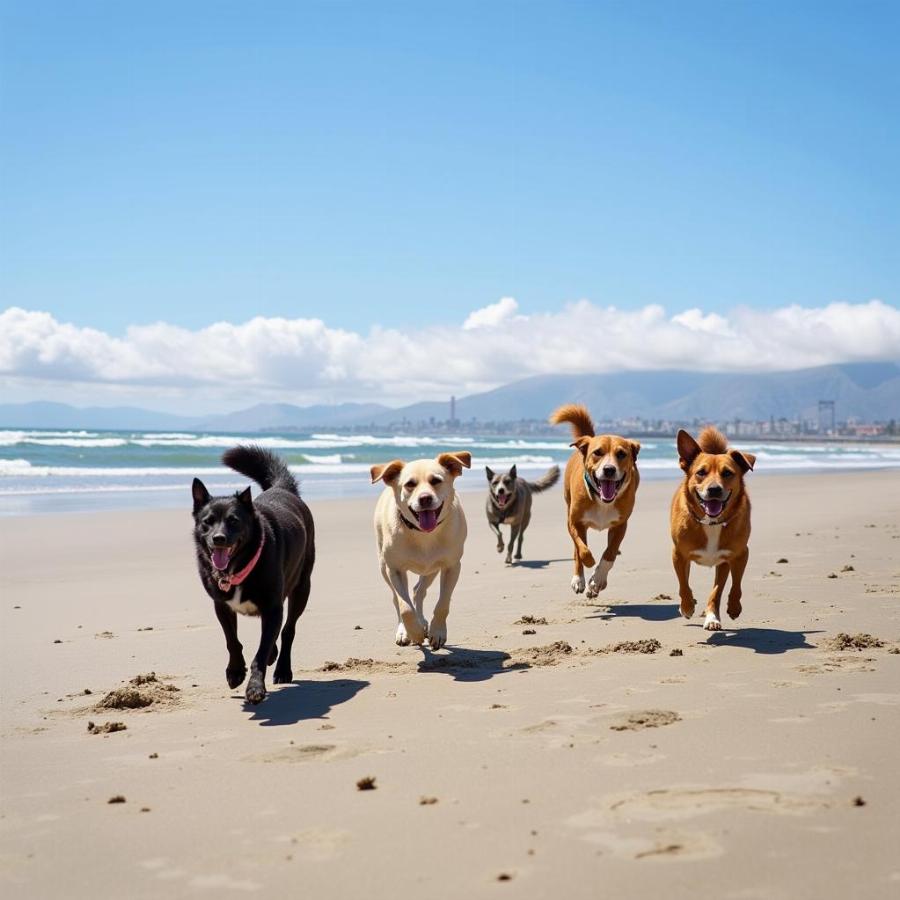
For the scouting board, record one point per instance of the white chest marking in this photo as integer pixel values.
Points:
(711, 555)
(244, 607)
(601, 515)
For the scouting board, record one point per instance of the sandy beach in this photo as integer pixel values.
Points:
(528, 759)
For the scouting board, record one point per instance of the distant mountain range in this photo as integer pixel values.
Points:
(867, 391)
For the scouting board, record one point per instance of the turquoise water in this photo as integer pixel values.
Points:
(57, 471)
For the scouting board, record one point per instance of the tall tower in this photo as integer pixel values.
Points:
(826, 417)
(452, 409)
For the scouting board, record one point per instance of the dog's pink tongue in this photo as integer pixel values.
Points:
(608, 489)
(427, 519)
(221, 556)
(713, 508)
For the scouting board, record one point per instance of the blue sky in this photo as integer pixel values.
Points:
(468, 187)
(368, 163)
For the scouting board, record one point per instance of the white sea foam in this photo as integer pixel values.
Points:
(64, 442)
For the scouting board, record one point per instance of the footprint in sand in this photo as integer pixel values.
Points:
(665, 846)
(369, 665)
(648, 718)
(304, 753)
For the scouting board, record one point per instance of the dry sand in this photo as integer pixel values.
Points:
(523, 761)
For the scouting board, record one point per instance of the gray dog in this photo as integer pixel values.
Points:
(509, 503)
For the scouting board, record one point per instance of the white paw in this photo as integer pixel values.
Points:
(416, 628)
(437, 634)
(578, 584)
(402, 638)
(712, 623)
(598, 579)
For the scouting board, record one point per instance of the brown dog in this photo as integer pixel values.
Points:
(711, 520)
(600, 485)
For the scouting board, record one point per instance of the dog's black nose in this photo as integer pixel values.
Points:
(425, 501)
(219, 540)
(714, 490)
(609, 471)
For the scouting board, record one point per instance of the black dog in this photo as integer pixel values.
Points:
(509, 503)
(251, 555)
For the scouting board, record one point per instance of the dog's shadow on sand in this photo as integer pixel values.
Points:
(469, 665)
(650, 612)
(302, 700)
(760, 640)
(536, 563)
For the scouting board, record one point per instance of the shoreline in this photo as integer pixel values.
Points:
(69, 501)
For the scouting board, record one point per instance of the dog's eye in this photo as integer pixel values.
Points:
(620, 454)
(435, 480)
(232, 520)
(597, 453)
(727, 473)
(701, 473)
(207, 521)
(410, 484)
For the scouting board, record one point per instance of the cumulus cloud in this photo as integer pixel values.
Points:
(492, 315)
(308, 361)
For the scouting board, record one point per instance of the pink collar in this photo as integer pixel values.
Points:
(226, 582)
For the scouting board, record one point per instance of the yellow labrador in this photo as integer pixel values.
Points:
(420, 527)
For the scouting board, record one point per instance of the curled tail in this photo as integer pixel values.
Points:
(545, 481)
(577, 416)
(712, 440)
(265, 468)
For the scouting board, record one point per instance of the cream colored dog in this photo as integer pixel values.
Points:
(420, 527)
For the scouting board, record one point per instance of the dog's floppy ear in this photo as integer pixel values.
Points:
(688, 449)
(387, 472)
(245, 497)
(581, 443)
(745, 460)
(490, 473)
(200, 494)
(635, 449)
(513, 474)
(455, 462)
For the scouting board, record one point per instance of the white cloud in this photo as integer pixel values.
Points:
(305, 361)
(492, 315)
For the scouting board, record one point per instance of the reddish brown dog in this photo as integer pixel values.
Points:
(711, 520)
(600, 485)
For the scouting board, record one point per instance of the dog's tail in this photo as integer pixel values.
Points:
(577, 416)
(712, 440)
(545, 481)
(265, 468)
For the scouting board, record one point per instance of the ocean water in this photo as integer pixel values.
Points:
(73, 471)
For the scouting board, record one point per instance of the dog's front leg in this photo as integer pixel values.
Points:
(712, 622)
(614, 538)
(437, 630)
(682, 566)
(412, 627)
(419, 590)
(738, 564)
(237, 668)
(499, 533)
(256, 683)
(514, 532)
(583, 556)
